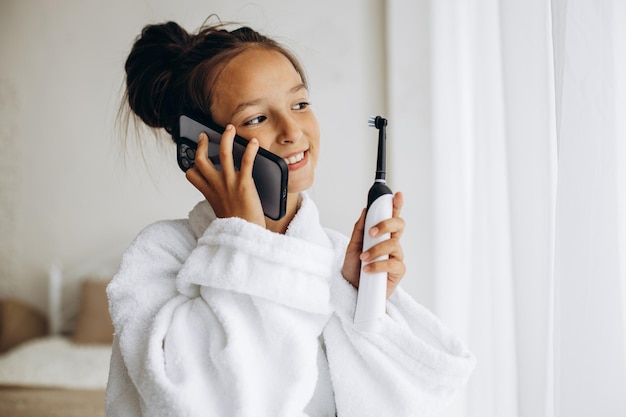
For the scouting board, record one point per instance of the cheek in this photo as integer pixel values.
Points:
(314, 137)
(265, 139)
(315, 157)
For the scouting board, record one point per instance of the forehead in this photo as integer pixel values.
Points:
(253, 73)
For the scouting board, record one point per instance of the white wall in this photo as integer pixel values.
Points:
(70, 189)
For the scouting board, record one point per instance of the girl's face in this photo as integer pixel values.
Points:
(263, 96)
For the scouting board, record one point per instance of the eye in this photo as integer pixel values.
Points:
(301, 106)
(257, 120)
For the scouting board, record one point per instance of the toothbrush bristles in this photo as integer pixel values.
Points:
(377, 122)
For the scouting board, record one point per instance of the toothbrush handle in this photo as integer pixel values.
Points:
(372, 294)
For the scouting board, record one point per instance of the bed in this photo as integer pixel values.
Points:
(56, 363)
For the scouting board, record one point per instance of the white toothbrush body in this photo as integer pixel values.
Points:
(372, 295)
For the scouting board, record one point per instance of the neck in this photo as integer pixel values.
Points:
(280, 226)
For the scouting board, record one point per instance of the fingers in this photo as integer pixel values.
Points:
(395, 225)
(230, 192)
(387, 256)
(226, 152)
(247, 160)
(226, 155)
(203, 168)
(195, 177)
(201, 161)
(394, 267)
(389, 247)
(398, 202)
(352, 264)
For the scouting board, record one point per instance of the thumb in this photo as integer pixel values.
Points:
(356, 240)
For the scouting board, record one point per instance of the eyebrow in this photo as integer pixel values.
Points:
(241, 107)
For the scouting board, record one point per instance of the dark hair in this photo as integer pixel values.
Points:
(170, 71)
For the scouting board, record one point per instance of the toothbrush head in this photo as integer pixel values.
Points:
(377, 122)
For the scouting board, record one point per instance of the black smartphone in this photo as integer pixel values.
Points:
(269, 172)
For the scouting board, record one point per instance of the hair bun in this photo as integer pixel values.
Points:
(150, 67)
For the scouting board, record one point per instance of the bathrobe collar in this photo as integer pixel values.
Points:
(305, 225)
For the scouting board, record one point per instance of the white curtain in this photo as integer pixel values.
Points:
(527, 112)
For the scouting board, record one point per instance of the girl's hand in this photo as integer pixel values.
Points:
(230, 193)
(394, 266)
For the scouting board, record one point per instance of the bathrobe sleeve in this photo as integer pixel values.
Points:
(214, 326)
(411, 366)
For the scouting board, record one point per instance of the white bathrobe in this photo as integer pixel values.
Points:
(221, 317)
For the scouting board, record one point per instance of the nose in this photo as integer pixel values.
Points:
(289, 130)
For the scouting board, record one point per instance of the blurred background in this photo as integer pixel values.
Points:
(73, 184)
(506, 135)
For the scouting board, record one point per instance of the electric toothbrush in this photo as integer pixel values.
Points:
(372, 294)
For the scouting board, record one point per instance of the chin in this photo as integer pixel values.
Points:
(298, 183)
(299, 187)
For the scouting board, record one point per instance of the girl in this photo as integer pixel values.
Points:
(229, 313)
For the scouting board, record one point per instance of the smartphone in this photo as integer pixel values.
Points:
(269, 172)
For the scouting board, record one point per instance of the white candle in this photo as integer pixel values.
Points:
(54, 298)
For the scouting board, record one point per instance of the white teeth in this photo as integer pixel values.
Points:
(295, 158)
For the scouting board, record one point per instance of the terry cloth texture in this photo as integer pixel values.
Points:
(223, 317)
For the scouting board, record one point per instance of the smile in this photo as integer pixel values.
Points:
(294, 158)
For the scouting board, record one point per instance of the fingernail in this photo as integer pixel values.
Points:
(367, 268)
(373, 231)
(229, 127)
(254, 140)
(365, 256)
